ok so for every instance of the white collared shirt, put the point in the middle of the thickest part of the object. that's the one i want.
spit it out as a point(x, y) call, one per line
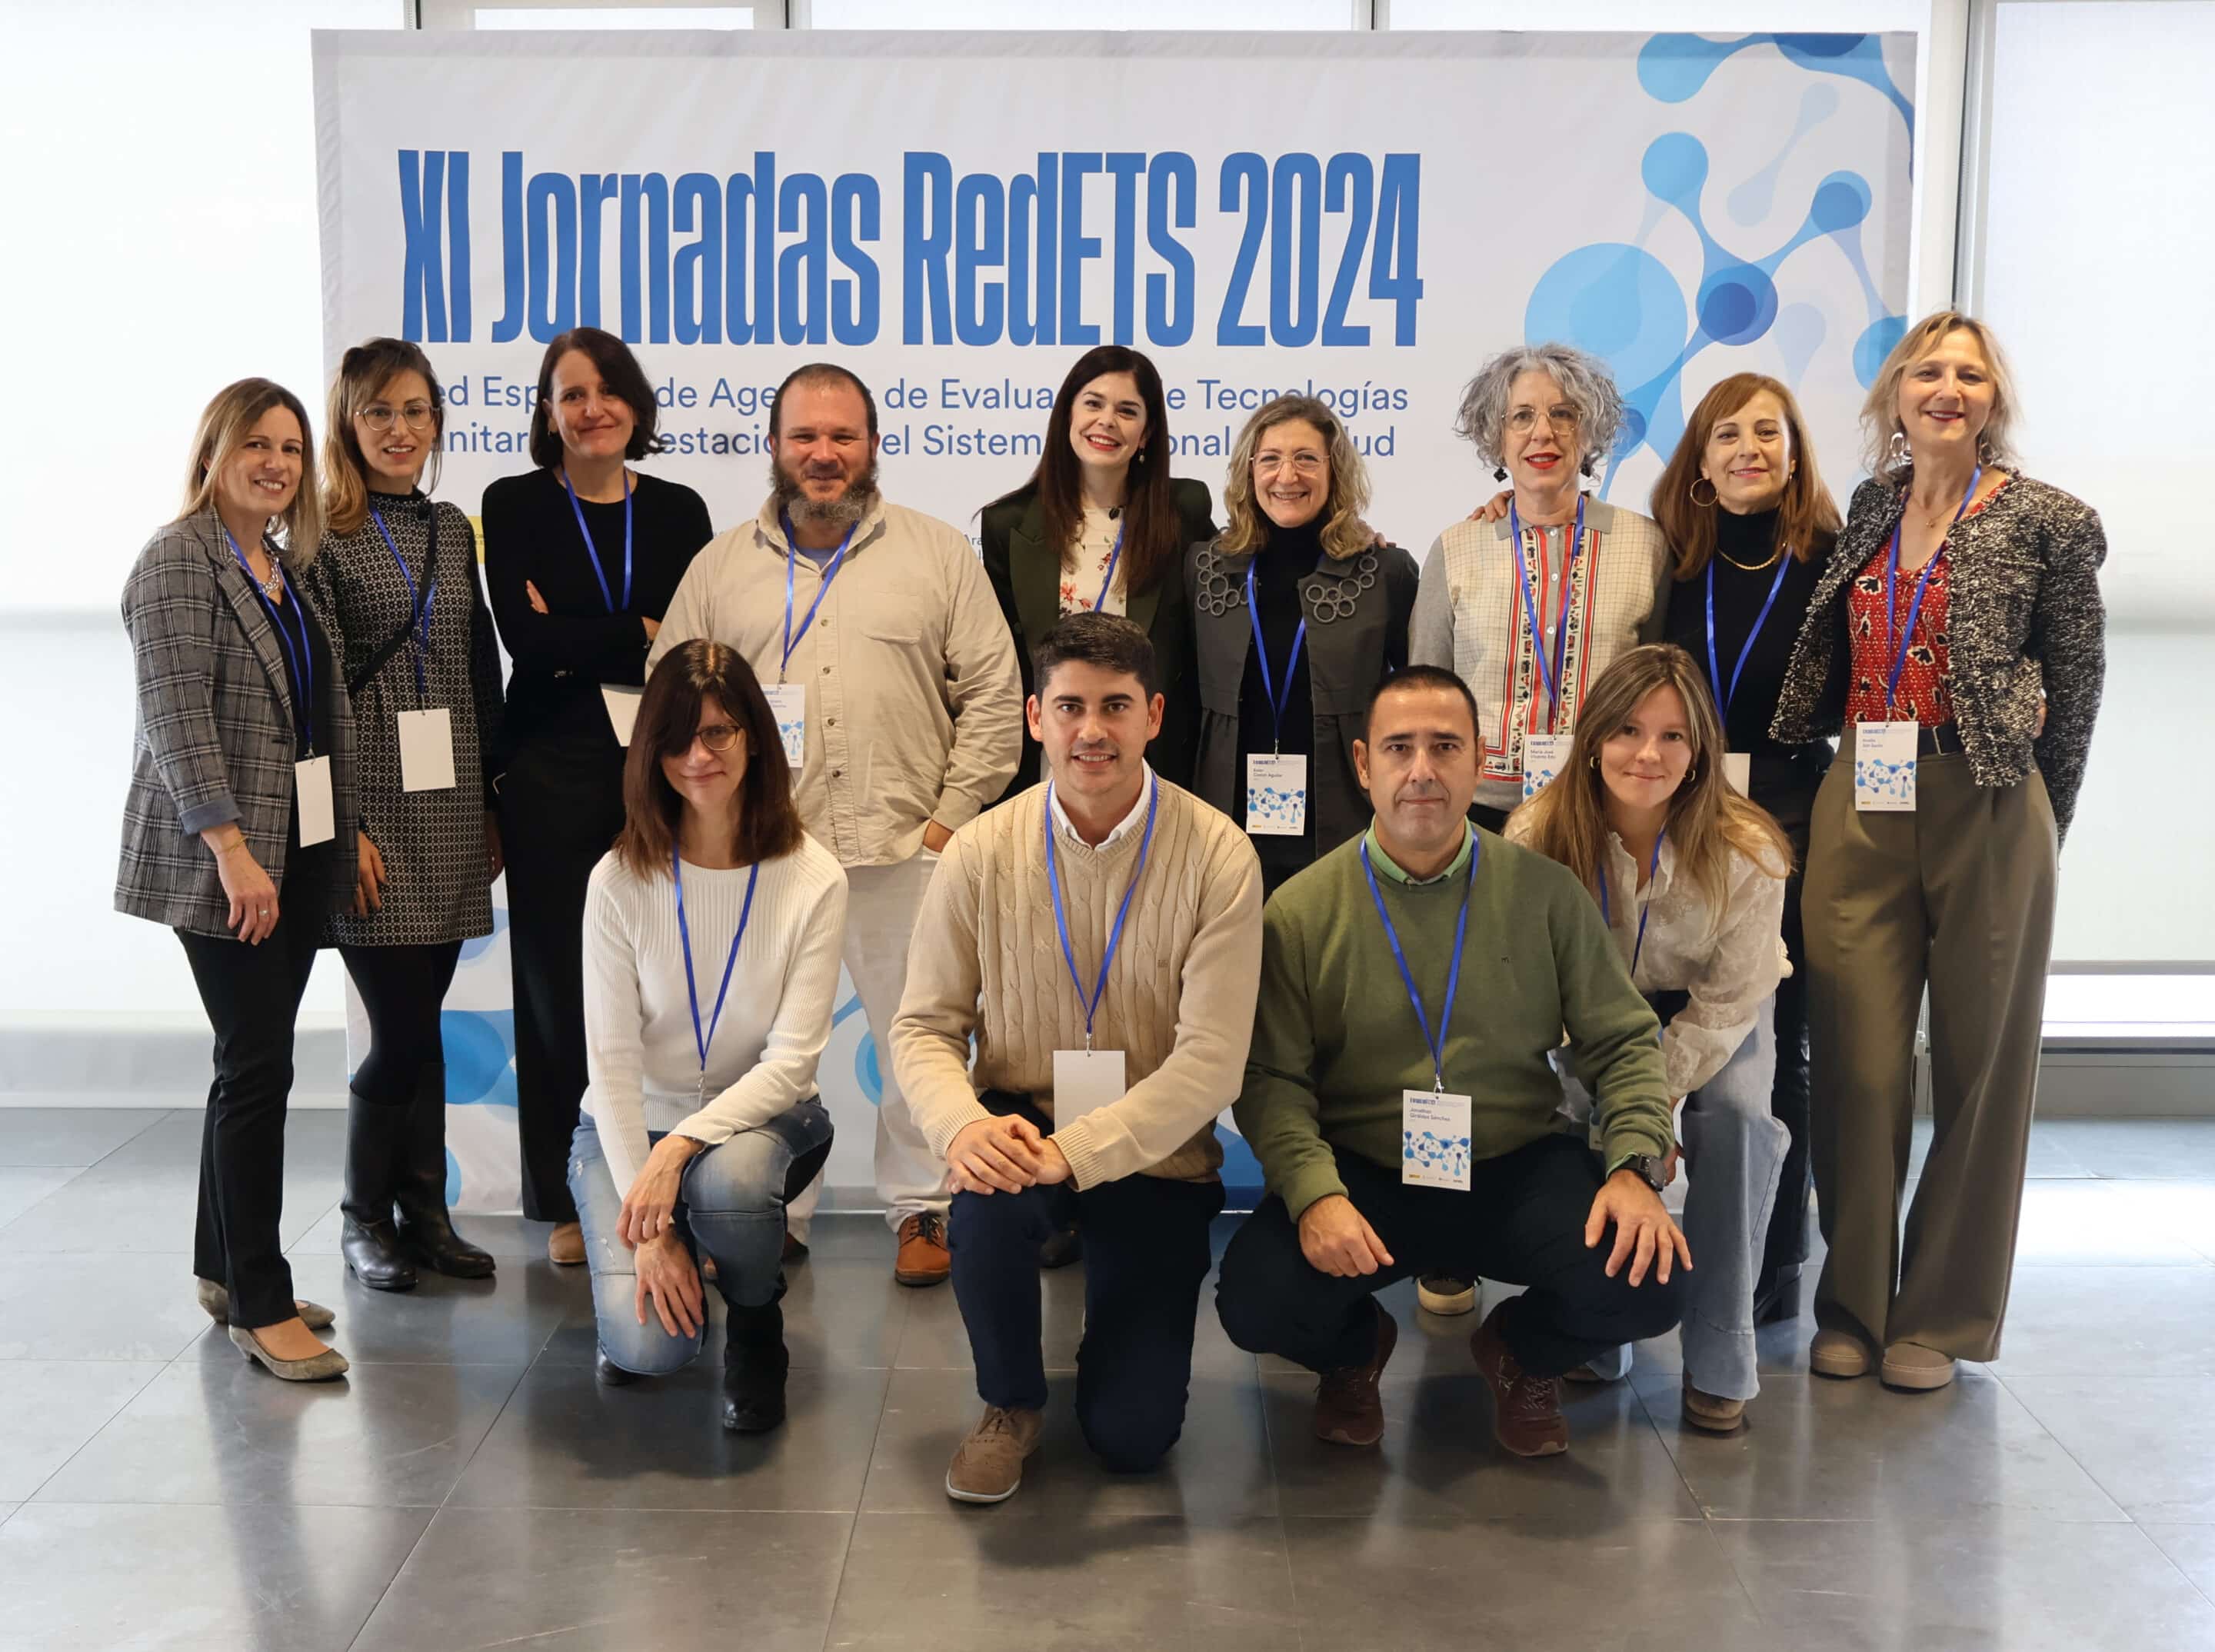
point(1123, 828)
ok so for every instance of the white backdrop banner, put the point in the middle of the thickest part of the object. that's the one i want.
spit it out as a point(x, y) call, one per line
point(1363, 217)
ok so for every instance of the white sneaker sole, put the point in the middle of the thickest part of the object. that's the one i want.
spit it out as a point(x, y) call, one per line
point(962, 1497)
point(1448, 1307)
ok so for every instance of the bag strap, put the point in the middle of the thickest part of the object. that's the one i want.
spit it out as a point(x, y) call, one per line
point(393, 644)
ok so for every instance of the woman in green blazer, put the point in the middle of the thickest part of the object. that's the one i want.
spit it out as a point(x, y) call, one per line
point(1102, 526)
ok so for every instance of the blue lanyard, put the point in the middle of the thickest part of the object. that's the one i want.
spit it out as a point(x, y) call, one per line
point(700, 1039)
point(594, 550)
point(829, 572)
point(1725, 696)
point(1915, 606)
point(419, 640)
point(1108, 584)
point(303, 662)
point(1436, 1044)
point(1645, 906)
point(1553, 668)
point(1115, 935)
point(1277, 702)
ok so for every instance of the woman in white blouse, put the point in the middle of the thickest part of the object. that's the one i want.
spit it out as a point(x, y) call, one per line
point(711, 941)
point(1691, 876)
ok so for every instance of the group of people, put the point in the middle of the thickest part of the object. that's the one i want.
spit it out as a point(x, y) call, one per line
point(1491, 892)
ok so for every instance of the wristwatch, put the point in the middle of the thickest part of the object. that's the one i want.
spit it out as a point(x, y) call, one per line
point(1646, 1168)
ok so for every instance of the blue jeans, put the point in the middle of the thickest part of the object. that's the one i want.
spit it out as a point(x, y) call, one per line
point(731, 1205)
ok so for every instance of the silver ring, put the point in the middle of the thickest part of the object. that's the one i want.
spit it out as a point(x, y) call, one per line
point(262, 911)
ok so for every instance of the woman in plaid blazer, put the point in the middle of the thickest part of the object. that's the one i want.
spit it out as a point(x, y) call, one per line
point(238, 831)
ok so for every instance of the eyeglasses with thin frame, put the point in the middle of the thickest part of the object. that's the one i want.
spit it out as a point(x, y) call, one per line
point(379, 417)
point(717, 737)
point(1561, 420)
point(1305, 464)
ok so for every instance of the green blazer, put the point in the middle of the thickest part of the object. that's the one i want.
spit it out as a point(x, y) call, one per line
point(1026, 576)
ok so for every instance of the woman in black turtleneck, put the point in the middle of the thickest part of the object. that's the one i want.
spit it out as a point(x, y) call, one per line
point(1747, 516)
point(1296, 544)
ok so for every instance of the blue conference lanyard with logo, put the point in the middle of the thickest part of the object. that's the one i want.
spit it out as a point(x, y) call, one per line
point(788, 702)
point(1736, 765)
point(419, 608)
point(1434, 1125)
point(1553, 667)
point(1645, 906)
point(1113, 557)
point(593, 551)
point(1089, 1080)
point(426, 733)
point(1276, 785)
point(1884, 754)
point(702, 1039)
point(311, 775)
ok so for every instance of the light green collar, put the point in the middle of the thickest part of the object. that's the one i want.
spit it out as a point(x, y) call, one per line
point(1385, 864)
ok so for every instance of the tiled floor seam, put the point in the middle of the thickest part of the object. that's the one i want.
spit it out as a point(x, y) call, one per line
point(854, 1517)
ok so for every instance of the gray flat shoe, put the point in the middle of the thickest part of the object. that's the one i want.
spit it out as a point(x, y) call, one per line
point(215, 1302)
point(325, 1365)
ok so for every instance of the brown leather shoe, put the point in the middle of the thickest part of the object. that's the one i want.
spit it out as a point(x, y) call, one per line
point(923, 1258)
point(566, 1244)
point(1348, 1410)
point(989, 1466)
point(1526, 1411)
point(1711, 1411)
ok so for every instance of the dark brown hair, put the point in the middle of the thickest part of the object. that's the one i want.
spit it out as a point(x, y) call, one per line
point(1151, 537)
point(820, 373)
point(1410, 678)
point(1807, 517)
point(1107, 641)
point(668, 720)
point(364, 371)
point(620, 368)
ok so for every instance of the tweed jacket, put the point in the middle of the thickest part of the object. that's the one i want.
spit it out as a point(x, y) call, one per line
point(215, 738)
point(2024, 616)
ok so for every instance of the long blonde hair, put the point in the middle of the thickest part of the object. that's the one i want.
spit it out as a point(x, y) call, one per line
point(363, 372)
point(234, 412)
point(1344, 533)
point(1707, 818)
point(1880, 412)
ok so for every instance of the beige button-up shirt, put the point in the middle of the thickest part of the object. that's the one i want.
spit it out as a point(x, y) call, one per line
point(914, 703)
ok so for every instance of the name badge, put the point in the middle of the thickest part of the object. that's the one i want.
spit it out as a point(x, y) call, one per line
point(623, 709)
point(1543, 758)
point(1884, 767)
point(1276, 795)
point(1738, 769)
point(1084, 1081)
point(787, 703)
point(426, 750)
point(311, 797)
point(1433, 1139)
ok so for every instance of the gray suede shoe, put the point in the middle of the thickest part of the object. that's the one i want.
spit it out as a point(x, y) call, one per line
point(215, 1302)
point(325, 1365)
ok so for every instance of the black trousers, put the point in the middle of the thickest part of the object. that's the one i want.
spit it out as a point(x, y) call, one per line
point(1788, 791)
point(403, 989)
point(1145, 1257)
point(561, 808)
point(1522, 1222)
point(252, 996)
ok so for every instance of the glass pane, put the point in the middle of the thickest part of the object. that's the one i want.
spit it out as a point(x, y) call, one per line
point(1277, 14)
point(1644, 16)
point(499, 17)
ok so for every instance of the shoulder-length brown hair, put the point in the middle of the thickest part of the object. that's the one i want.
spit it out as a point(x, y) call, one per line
point(226, 423)
point(364, 371)
point(620, 368)
point(1152, 543)
point(1707, 818)
point(1344, 533)
point(668, 717)
point(1807, 517)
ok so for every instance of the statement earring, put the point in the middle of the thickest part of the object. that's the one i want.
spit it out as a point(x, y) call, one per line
point(1895, 452)
point(1693, 493)
point(1499, 473)
point(1984, 450)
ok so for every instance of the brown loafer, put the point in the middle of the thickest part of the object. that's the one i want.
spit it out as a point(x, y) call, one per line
point(1711, 1411)
point(989, 1465)
point(1348, 1409)
point(1526, 1410)
point(565, 1245)
point(923, 1258)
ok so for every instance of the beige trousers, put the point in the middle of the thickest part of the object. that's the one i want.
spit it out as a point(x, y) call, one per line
point(1958, 896)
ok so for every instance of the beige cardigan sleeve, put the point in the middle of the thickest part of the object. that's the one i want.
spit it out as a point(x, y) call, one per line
point(938, 1011)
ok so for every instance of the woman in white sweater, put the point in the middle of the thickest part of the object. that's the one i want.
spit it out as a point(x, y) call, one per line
point(711, 943)
point(1691, 876)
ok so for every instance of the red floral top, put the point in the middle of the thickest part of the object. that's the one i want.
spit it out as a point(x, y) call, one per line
point(1925, 693)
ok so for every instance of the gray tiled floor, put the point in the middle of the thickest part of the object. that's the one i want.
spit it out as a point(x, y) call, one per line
point(470, 1485)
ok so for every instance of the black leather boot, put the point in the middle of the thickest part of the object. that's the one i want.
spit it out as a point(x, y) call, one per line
point(376, 1137)
point(426, 1229)
point(754, 1367)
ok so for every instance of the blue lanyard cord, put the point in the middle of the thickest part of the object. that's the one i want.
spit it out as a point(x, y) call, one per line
point(1551, 668)
point(702, 1039)
point(1899, 644)
point(1278, 701)
point(1435, 1043)
point(1645, 906)
point(1108, 584)
point(302, 660)
point(419, 639)
point(594, 550)
point(829, 572)
point(1115, 935)
point(1725, 696)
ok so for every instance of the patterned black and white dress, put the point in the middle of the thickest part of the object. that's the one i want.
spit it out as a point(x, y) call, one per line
point(432, 841)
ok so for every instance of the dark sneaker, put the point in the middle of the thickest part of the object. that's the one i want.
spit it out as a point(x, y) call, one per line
point(1526, 1411)
point(1348, 1410)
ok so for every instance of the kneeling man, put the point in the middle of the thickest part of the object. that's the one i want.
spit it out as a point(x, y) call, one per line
point(1399, 1096)
point(1100, 937)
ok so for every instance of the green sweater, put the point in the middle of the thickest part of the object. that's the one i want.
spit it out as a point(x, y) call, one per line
point(1335, 1041)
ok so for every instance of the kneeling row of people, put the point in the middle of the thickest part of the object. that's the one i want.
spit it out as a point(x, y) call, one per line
point(1431, 1037)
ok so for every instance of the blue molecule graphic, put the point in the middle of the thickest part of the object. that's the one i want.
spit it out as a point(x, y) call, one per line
point(480, 1046)
point(1874, 344)
point(866, 1072)
point(1737, 304)
point(1675, 68)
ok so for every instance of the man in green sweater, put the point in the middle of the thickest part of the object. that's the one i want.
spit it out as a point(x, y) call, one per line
point(1399, 1096)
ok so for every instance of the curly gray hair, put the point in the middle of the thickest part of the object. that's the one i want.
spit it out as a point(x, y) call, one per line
point(1586, 384)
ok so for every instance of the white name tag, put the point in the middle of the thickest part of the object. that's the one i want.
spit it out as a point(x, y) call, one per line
point(1433, 1139)
point(1884, 767)
point(787, 703)
point(311, 797)
point(426, 750)
point(1084, 1081)
point(1543, 758)
point(1738, 769)
point(623, 709)
point(1276, 795)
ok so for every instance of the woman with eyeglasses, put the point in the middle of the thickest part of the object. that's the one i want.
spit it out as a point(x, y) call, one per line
point(1298, 612)
point(398, 576)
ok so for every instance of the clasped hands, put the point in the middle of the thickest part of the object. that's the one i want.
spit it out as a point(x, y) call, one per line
point(1005, 1154)
point(665, 1275)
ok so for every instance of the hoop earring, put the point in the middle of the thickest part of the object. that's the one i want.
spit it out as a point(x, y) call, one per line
point(1984, 450)
point(1692, 777)
point(1896, 456)
point(1693, 493)
point(1594, 759)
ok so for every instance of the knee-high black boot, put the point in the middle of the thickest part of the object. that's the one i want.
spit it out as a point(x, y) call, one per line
point(426, 1229)
point(754, 1366)
point(377, 1136)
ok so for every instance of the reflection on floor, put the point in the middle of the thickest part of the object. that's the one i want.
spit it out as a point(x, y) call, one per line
point(469, 1486)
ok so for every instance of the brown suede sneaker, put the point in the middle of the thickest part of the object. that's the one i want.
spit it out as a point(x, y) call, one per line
point(1526, 1411)
point(989, 1466)
point(923, 1258)
point(1348, 1410)
point(1711, 1411)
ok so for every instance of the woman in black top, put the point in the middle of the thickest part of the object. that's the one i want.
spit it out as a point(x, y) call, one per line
point(581, 557)
point(1102, 526)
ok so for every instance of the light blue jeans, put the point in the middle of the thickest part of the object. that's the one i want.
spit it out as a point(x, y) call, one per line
point(731, 1206)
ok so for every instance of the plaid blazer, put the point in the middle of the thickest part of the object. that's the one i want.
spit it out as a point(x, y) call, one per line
point(214, 738)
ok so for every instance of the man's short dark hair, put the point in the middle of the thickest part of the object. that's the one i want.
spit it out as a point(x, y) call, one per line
point(1107, 641)
point(819, 372)
point(1415, 677)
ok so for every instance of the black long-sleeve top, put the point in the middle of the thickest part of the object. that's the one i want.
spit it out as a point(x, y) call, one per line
point(1740, 593)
